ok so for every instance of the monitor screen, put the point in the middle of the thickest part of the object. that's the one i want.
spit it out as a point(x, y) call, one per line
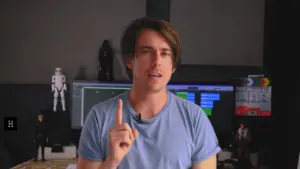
point(217, 101)
point(86, 94)
point(206, 96)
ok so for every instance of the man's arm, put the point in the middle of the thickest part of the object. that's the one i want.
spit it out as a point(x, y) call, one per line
point(83, 163)
point(90, 152)
point(210, 163)
point(206, 143)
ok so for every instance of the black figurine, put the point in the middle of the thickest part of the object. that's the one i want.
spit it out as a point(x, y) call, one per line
point(41, 138)
point(106, 62)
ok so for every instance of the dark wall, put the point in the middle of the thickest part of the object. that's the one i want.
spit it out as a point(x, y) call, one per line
point(25, 101)
point(281, 36)
point(280, 56)
point(159, 9)
point(5, 154)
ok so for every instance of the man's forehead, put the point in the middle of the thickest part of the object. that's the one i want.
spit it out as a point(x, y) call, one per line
point(153, 40)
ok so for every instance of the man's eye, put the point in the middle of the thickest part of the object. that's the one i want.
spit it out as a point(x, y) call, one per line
point(166, 54)
point(146, 52)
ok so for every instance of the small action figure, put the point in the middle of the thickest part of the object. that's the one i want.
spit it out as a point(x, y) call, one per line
point(243, 140)
point(59, 87)
point(40, 137)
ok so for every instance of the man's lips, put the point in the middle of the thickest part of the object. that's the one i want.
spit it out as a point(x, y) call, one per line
point(155, 75)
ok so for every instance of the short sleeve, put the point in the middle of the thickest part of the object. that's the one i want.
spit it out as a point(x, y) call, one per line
point(205, 140)
point(89, 143)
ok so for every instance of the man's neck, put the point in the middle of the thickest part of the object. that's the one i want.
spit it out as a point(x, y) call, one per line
point(147, 103)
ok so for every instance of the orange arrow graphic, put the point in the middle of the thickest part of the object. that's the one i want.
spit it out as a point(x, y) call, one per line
point(265, 82)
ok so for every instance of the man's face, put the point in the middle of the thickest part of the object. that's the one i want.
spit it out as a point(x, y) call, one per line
point(152, 66)
point(242, 126)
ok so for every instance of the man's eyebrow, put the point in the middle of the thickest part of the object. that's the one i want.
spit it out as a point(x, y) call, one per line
point(166, 49)
point(149, 47)
point(145, 47)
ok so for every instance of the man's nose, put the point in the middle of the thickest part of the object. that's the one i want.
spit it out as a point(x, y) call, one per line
point(157, 58)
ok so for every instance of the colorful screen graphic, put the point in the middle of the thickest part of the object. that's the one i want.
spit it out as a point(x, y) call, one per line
point(206, 96)
point(253, 98)
point(207, 101)
point(187, 96)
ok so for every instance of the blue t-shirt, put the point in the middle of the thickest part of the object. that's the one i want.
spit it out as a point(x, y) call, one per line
point(178, 136)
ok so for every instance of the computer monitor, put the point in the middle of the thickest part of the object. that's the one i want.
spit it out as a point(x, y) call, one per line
point(217, 101)
point(86, 94)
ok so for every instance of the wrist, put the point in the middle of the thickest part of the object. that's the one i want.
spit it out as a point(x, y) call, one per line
point(112, 163)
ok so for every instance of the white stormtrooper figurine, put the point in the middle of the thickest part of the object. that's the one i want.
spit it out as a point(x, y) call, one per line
point(59, 87)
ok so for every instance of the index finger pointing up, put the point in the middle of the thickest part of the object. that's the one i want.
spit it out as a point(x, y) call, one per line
point(119, 112)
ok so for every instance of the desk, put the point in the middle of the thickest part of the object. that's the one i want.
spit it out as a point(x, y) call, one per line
point(69, 153)
point(224, 155)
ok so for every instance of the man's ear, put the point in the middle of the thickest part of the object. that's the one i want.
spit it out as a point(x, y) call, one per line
point(129, 64)
point(173, 70)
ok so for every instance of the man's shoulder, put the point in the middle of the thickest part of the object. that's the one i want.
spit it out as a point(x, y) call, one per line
point(185, 104)
point(187, 107)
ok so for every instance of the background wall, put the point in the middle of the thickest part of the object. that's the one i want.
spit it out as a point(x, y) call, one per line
point(218, 32)
point(38, 36)
point(25, 101)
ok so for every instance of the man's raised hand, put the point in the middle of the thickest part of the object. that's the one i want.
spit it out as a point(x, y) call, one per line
point(121, 136)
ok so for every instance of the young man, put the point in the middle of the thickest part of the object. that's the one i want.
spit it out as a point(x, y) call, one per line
point(173, 132)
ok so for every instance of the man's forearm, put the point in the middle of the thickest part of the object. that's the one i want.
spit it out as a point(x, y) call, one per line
point(109, 164)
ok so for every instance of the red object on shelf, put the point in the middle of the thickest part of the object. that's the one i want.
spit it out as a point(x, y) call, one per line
point(244, 111)
point(265, 113)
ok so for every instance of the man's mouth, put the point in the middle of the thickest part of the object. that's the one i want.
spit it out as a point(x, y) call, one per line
point(155, 75)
